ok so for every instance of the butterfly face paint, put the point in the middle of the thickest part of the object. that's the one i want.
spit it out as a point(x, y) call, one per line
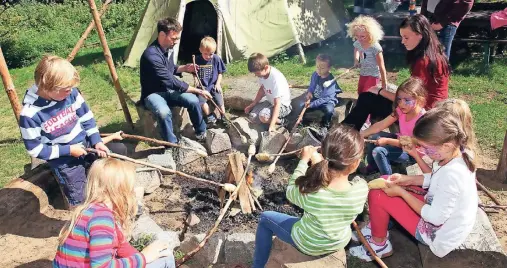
point(431, 151)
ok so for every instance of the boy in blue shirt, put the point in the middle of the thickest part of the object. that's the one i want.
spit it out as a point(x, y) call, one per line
point(320, 97)
point(211, 68)
point(57, 125)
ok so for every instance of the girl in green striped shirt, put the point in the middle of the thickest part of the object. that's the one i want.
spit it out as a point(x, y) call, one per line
point(329, 200)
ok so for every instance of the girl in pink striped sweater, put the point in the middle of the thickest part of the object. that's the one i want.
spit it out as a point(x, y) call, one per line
point(96, 235)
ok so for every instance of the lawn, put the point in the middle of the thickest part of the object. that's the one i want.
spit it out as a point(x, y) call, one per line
point(486, 92)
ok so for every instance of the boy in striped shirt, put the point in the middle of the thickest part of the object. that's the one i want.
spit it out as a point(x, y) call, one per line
point(56, 125)
point(329, 200)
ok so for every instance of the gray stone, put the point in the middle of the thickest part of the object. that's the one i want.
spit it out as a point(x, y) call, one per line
point(285, 255)
point(239, 248)
point(217, 141)
point(212, 253)
point(35, 162)
point(249, 130)
point(145, 226)
point(148, 178)
point(272, 142)
point(185, 156)
point(481, 249)
point(305, 136)
point(193, 220)
point(169, 236)
point(166, 160)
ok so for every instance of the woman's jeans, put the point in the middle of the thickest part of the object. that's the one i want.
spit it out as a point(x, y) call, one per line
point(383, 155)
point(159, 104)
point(446, 35)
point(271, 223)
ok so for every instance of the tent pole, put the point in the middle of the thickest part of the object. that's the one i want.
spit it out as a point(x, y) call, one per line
point(181, 17)
point(88, 30)
point(301, 53)
point(9, 86)
point(219, 35)
point(296, 35)
point(109, 59)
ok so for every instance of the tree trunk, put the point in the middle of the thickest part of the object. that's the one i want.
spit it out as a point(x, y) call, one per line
point(501, 170)
point(109, 59)
point(9, 86)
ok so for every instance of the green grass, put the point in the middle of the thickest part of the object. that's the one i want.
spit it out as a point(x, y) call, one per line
point(485, 92)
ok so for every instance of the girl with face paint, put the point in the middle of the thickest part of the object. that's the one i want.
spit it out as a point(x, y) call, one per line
point(407, 109)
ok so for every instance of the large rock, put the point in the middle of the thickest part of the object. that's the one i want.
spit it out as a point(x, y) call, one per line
point(272, 142)
point(285, 255)
point(217, 140)
point(239, 248)
point(212, 253)
point(249, 130)
point(145, 226)
point(170, 237)
point(166, 160)
point(149, 126)
point(481, 249)
point(185, 156)
point(148, 178)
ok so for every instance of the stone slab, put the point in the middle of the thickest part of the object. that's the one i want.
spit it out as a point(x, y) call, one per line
point(239, 248)
point(217, 140)
point(185, 156)
point(145, 226)
point(149, 126)
point(165, 160)
point(210, 254)
point(148, 178)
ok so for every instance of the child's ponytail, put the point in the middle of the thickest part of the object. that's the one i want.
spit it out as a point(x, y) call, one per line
point(466, 153)
point(341, 149)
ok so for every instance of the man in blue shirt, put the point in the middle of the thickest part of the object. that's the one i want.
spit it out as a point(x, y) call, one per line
point(160, 90)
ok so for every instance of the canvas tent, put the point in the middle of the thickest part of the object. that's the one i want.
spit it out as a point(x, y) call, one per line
point(265, 26)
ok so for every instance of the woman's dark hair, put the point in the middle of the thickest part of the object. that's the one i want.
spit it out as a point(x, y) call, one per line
point(428, 47)
point(342, 147)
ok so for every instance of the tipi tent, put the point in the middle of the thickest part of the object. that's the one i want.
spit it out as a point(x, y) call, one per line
point(242, 26)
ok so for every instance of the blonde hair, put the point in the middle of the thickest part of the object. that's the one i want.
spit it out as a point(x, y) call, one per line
point(439, 126)
point(109, 181)
point(368, 25)
point(461, 110)
point(257, 62)
point(208, 44)
point(53, 73)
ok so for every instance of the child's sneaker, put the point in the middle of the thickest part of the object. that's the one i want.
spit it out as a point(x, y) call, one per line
point(211, 120)
point(366, 231)
point(201, 137)
point(382, 251)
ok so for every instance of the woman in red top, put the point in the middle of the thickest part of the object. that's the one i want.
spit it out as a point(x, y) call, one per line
point(427, 61)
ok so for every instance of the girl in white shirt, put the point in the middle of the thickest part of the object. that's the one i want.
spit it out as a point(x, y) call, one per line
point(445, 215)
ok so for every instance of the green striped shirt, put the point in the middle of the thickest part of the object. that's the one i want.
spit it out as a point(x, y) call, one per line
point(325, 225)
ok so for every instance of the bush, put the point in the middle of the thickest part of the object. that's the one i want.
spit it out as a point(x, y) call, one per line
point(33, 28)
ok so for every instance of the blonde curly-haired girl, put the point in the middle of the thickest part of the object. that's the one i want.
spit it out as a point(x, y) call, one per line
point(366, 33)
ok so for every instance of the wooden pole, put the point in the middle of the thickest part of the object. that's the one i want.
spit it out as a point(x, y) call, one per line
point(9, 86)
point(501, 170)
point(181, 18)
point(219, 33)
point(85, 34)
point(110, 64)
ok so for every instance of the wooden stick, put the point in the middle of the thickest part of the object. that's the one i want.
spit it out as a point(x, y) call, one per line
point(157, 142)
point(273, 165)
point(299, 86)
point(367, 245)
point(243, 138)
point(9, 87)
point(370, 141)
point(109, 59)
point(251, 152)
point(493, 206)
point(490, 194)
point(226, 186)
point(88, 30)
point(501, 169)
point(252, 193)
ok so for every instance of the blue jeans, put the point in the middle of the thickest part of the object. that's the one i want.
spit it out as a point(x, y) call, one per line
point(165, 262)
point(446, 35)
point(383, 155)
point(271, 223)
point(328, 111)
point(159, 104)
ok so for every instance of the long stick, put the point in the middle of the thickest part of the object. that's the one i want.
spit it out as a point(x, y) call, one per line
point(273, 165)
point(158, 142)
point(110, 64)
point(232, 197)
point(243, 138)
point(88, 30)
point(9, 86)
point(226, 186)
point(329, 82)
point(367, 245)
point(493, 206)
point(490, 194)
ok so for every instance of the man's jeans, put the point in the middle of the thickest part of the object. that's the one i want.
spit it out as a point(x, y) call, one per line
point(271, 223)
point(446, 35)
point(159, 103)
